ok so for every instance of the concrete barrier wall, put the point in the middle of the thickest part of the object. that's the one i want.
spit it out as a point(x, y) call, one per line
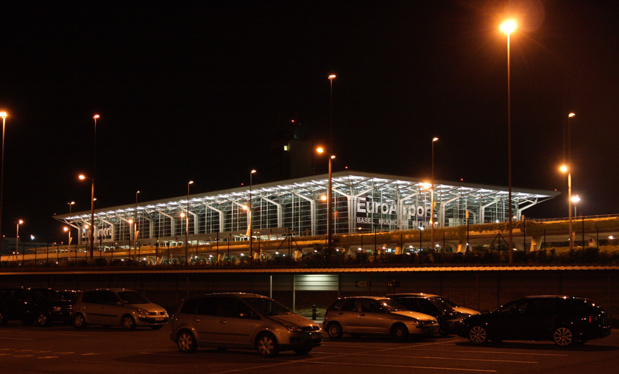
point(481, 290)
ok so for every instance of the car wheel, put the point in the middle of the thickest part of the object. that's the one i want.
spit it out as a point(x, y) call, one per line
point(42, 319)
point(563, 337)
point(399, 332)
point(478, 335)
point(127, 322)
point(334, 330)
point(302, 351)
point(79, 322)
point(267, 345)
point(186, 342)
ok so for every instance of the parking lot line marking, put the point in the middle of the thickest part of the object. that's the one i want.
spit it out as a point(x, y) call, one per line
point(448, 358)
point(508, 353)
point(403, 366)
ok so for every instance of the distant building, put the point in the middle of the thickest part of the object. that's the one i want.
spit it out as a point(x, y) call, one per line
point(361, 202)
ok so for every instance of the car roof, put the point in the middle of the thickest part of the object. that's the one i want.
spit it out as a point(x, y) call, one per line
point(111, 289)
point(414, 294)
point(364, 297)
point(235, 294)
point(554, 297)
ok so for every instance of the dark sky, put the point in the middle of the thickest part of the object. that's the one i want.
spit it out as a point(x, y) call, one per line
point(199, 89)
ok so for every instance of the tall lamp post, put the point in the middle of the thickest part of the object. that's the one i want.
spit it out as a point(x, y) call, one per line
point(19, 222)
point(566, 169)
point(187, 226)
point(92, 213)
point(331, 78)
point(321, 150)
point(249, 224)
point(68, 231)
point(70, 204)
point(575, 200)
point(508, 27)
point(135, 230)
point(434, 140)
point(3, 115)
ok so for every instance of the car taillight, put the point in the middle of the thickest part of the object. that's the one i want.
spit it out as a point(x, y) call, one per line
point(589, 319)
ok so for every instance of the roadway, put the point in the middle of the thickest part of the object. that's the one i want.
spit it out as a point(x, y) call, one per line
point(29, 349)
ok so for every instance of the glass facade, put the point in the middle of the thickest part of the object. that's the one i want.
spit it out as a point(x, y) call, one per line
point(362, 202)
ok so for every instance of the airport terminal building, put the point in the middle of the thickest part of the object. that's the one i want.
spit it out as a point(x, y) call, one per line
point(362, 202)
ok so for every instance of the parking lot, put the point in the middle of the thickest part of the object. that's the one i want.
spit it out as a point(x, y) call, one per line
point(61, 348)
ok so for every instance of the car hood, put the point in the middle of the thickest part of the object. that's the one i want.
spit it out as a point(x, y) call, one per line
point(463, 310)
point(415, 315)
point(151, 307)
point(293, 319)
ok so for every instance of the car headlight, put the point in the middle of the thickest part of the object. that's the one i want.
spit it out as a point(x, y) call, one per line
point(141, 311)
point(292, 328)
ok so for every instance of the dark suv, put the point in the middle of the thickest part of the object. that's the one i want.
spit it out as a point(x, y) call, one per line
point(566, 320)
point(40, 306)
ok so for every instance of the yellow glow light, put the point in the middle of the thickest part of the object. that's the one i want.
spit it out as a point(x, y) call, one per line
point(508, 26)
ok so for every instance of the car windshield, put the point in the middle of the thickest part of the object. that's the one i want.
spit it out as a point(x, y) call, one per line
point(391, 305)
point(266, 306)
point(444, 303)
point(131, 297)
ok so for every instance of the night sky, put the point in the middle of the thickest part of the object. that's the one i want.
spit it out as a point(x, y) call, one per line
point(199, 90)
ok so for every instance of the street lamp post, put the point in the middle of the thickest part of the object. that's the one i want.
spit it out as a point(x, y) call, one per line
point(92, 213)
point(434, 140)
point(187, 226)
point(70, 204)
point(249, 224)
point(19, 222)
point(3, 115)
point(508, 27)
point(329, 199)
point(331, 78)
point(575, 200)
point(566, 169)
point(68, 231)
point(135, 229)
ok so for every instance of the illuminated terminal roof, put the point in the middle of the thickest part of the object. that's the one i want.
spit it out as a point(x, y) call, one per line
point(360, 201)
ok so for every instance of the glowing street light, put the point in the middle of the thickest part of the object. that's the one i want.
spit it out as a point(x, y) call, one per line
point(434, 140)
point(3, 115)
point(187, 226)
point(321, 150)
point(508, 27)
point(566, 169)
point(250, 216)
point(19, 222)
point(68, 231)
point(331, 78)
point(575, 200)
point(92, 213)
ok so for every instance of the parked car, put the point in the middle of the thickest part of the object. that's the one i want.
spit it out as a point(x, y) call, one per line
point(117, 307)
point(443, 310)
point(363, 315)
point(242, 320)
point(566, 320)
point(40, 306)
